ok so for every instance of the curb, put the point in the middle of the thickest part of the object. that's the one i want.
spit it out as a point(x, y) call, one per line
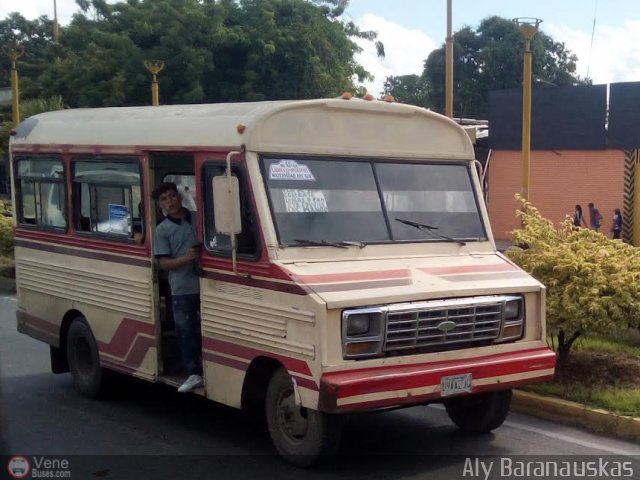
point(576, 414)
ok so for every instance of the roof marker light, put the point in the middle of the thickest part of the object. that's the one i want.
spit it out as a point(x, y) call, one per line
point(389, 99)
point(368, 97)
point(346, 96)
point(241, 128)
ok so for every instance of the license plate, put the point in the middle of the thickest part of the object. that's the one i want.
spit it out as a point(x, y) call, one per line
point(455, 384)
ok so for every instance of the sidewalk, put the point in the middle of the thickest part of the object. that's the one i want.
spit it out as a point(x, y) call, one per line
point(576, 414)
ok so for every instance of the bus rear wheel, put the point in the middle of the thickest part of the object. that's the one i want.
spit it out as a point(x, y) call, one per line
point(84, 361)
point(480, 413)
point(302, 436)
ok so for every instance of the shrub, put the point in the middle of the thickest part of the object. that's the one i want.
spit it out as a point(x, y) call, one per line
point(6, 232)
point(593, 283)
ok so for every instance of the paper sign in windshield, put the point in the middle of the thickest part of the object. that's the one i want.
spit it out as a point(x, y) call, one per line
point(304, 201)
point(290, 170)
point(118, 218)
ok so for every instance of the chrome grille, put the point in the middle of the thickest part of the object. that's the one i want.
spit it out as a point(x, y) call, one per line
point(439, 323)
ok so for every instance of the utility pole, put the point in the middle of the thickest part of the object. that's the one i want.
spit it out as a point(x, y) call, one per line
point(449, 63)
point(56, 28)
point(528, 28)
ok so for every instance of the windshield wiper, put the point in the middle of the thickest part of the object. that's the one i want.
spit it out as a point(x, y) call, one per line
point(322, 243)
point(430, 229)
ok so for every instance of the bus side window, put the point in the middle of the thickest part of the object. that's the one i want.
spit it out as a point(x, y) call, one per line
point(248, 244)
point(107, 197)
point(41, 193)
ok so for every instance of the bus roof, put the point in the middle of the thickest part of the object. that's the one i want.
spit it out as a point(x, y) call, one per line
point(352, 127)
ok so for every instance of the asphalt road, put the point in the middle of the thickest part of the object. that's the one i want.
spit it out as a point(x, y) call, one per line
point(151, 431)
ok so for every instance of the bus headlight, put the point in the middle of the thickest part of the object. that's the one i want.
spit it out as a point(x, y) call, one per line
point(362, 333)
point(512, 309)
point(358, 324)
point(513, 320)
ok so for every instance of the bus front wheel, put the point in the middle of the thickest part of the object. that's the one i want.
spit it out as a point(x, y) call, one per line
point(301, 435)
point(480, 413)
point(83, 358)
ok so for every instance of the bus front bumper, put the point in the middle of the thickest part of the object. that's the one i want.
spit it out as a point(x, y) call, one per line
point(376, 388)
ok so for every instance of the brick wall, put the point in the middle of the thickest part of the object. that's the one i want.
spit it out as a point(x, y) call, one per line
point(560, 179)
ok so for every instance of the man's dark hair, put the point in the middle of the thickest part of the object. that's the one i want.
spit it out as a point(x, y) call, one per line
point(163, 188)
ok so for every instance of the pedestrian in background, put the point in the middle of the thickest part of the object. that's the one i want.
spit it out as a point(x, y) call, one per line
point(595, 217)
point(616, 228)
point(578, 217)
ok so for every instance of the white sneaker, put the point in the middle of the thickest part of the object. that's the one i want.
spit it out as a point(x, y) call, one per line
point(194, 381)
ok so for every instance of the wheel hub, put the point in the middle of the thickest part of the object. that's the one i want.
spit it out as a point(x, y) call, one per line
point(291, 417)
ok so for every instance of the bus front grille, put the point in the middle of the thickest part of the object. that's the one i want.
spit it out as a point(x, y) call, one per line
point(442, 326)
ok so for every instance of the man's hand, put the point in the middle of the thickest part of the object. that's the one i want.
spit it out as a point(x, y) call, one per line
point(168, 263)
point(192, 254)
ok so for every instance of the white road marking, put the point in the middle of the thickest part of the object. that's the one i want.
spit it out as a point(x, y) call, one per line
point(574, 440)
point(11, 299)
point(564, 438)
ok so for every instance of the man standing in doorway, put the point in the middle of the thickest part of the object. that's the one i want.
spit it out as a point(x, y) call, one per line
point(177, 249)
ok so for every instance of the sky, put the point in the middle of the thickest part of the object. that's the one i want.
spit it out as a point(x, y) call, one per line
point(411, 29)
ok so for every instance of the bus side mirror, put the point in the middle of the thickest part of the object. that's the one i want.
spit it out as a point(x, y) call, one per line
point(226, 205)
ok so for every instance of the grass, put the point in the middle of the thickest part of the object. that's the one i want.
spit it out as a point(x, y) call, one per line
point(601, 373)
point(628, 343)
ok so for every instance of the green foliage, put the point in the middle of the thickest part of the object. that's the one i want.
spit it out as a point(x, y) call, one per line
point(6, 232)
point(593, 283)
point(485, 59)
point(407, 89)
point(214, 51)
point(28, 108)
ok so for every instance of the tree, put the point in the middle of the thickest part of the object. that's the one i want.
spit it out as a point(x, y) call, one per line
point(214, 51)
point(407, 89)
point(593, 283)
point(36, 36)
point(28, 108)
point(491, 58)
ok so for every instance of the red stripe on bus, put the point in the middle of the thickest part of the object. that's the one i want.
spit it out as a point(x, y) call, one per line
point(345, 287)
point(38, 323)
point(208, 356)
point(75, 252)
point(125, 336)
point(355, 276)
point(230, 277)
point(291, 364)
point(243, 366)
point(85, 240)
point(435, 396)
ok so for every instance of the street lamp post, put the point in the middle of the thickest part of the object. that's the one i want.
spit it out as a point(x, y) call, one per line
point(154, 67)
point(14, 54)
point(528, 27)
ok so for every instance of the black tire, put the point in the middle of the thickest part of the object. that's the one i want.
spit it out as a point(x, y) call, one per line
point(84, 361)
point(302, 436)
point(479, 413)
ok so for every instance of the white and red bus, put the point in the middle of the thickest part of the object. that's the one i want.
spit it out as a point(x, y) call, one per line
point(352, 269)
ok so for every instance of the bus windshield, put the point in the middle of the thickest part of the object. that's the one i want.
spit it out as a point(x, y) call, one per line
point(365, 201)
